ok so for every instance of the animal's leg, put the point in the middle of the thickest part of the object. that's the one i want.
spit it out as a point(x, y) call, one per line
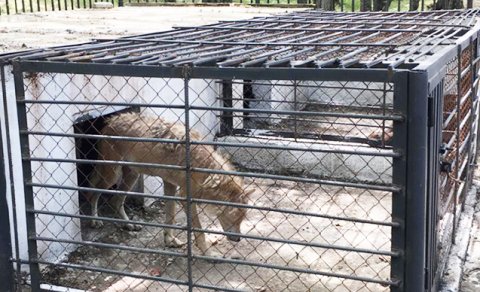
point(129, 179)
point(200, 240)
point(170, 205)
point(102, 177)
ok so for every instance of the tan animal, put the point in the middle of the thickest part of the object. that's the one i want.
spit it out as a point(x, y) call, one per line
point(217, 187)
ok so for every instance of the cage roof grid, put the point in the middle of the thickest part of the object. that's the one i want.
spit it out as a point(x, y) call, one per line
point(311, 38)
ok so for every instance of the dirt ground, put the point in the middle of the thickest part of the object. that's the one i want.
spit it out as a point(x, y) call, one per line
point(36, 30)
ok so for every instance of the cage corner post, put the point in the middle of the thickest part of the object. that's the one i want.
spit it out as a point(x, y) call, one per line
point(416, 182)
point(6, 266)
point(410, 175)
point(35, 275)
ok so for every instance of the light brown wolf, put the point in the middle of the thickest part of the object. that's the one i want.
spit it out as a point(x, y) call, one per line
point(218, 187)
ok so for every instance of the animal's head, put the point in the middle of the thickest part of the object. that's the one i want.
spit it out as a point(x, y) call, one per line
point(232, 217)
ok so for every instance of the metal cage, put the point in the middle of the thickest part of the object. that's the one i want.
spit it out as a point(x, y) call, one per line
point(354, 133)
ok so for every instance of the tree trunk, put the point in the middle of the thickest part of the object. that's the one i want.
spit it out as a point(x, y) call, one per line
point(328, 5)
point(414, 5)
point(365, 5)
point(448, 4)
point(381, 5)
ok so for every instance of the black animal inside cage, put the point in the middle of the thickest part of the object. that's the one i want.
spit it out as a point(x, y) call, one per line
point(318, 139)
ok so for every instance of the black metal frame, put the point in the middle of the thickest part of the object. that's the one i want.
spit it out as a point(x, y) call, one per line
point(7, 276)
point(408, 190)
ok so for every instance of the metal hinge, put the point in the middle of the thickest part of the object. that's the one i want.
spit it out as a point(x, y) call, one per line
point(431, 116)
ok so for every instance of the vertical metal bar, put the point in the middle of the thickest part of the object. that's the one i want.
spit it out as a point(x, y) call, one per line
point(295, 108)
point(188, 174)
point(18, 266)
point(66, 5)
point(436, 190)
point(27, 177)
point(7, 3)
point(46, 6)
point(38, 5)
point(31, 5)
point(341, 5)
point(457, 140)
point(353, 5)
point(6, 267)
point(384, 111)
point(226, 126)
point(399, 5)
point(470, 156)
point(399, 169)
point(416, 191)
point(16, 6)
point(53, 5)
point(23, 6)
point(423, 5)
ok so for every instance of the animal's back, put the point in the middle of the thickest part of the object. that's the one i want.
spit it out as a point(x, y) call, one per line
point(139, 125)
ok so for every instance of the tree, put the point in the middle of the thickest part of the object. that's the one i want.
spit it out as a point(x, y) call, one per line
point(414, 5)
point(381, 5)
point(448, 4)
point(328, 5)
point(365, 5)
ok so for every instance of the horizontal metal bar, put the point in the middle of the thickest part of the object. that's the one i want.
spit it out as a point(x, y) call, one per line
point(376, 187)
point(107, 271)
point(260, 238)
point(107, 162)
point(110, 246)
point(103, 137)
point(286, 29)
point(379, 153)
point(304, 243)
point(303, 85)
point(360, 21)
point(394, 283)
point(203, 201)
point(273, 44)
point(100, 103)
point(107, 219)
point(299, 74)
point(104, 191)
point(396, 118)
